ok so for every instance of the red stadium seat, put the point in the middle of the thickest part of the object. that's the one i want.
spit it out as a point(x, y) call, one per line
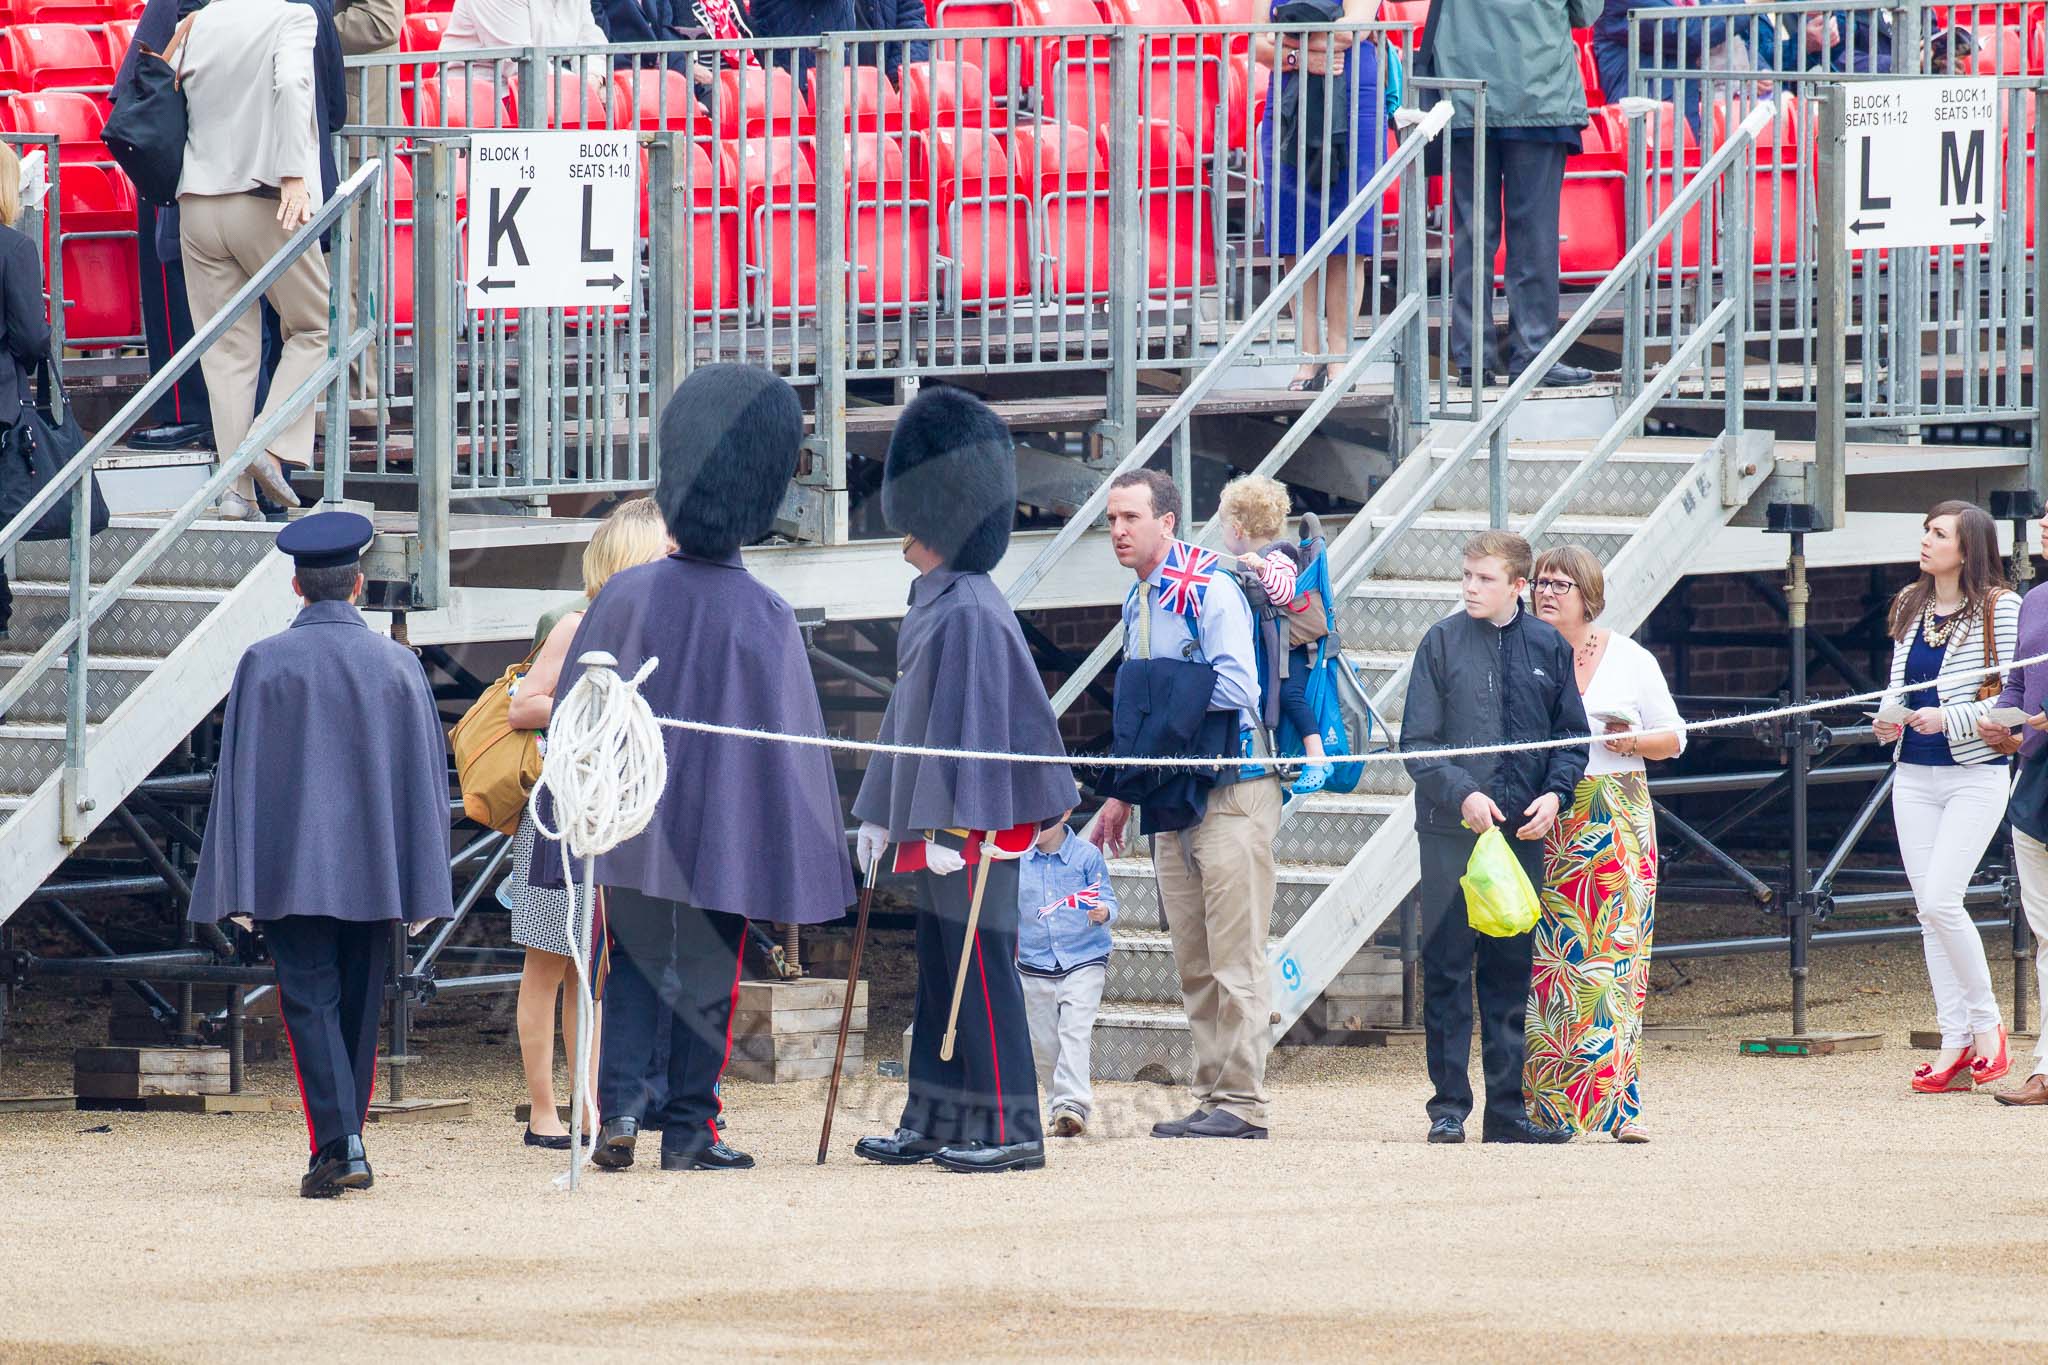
point(1071, 74)
point(102, 283)
point(1180, 247)
point(985, 218)
point(1183, 80)
point(568, 101)
point(57, 57)
point(754, 100)
point(713, 254)
point(774, 186)
point(1672, 152)
point(447, 99)
point(74, 119)
point(889, 229)
point(422, 33)
point(655, 97)
point(2001, 52)
point(945, 95)
point(1589, 68)
point(429, 6)
point(870, 100)
point(988, 55)
point(1237, 14)
point(1061, 167)
point(115, 39)
point(1591, 211)
point(66, 12)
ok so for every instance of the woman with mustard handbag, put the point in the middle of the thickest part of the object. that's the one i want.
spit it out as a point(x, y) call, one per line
point(633, 534)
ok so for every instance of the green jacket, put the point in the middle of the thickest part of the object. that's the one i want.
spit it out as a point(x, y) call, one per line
point(1522, 49)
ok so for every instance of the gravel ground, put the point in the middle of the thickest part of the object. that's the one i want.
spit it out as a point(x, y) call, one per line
point(1786, 1208)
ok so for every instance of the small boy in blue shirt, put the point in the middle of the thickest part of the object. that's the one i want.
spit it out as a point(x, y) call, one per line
point(1065, 906)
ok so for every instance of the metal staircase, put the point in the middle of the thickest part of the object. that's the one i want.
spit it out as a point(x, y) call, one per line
point(1346, 862)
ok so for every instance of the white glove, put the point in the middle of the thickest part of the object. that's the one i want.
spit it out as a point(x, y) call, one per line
point(942, 861)
point(869, 846)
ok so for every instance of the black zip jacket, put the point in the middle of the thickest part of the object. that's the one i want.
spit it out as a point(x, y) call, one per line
point(1478, 683)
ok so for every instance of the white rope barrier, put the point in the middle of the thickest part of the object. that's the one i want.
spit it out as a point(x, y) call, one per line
point(605, 768)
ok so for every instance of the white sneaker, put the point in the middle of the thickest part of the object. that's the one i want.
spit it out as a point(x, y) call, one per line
point(233, 507)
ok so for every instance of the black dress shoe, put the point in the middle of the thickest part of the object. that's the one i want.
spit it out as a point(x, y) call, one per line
point(172, 436)
point(1446, 1130)
point(1563, 376)
point(1177, 1128)
point(1520, 1129)
point(906, 1148)
point(1223, 1124)
point(340, 1165)
point(615, 1144)
point(557, 1143)
point(1469, 380)
point(719, 1156)
point(989, 1156)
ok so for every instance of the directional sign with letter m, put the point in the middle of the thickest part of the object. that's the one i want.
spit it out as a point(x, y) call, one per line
point(553, 219)
point(1922, 162)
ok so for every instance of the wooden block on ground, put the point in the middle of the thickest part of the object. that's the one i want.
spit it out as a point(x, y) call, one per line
point(748, 1023)
point(1674, 1033)
point(805, 993)
point(417, 1111)
point(1382, 1037)
point(1811, 1044)
point(796, 1069)
point(790, 1047)
point(1929, 1039)
point(1357, 1012)
point(246, 1103)
point(36, 1104)
point(135, 1072)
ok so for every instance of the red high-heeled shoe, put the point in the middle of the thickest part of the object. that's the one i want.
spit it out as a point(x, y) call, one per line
point(1928, 1081)
point(1984, 1070)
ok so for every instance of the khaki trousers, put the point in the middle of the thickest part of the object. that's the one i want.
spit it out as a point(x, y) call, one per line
point(1216, 889)
point(227, 239)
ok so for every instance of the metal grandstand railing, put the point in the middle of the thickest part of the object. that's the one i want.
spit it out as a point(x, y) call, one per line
point(89, 601)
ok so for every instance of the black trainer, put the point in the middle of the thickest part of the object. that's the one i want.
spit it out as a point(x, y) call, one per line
point(1446, 1130)
point(1521, 1129)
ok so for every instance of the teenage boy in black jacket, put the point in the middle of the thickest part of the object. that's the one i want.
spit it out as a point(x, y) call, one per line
point(1494, 674)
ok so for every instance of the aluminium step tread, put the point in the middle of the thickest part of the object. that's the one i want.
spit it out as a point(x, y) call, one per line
point(1477, 519)
point(140, 592)
point(1302, 873)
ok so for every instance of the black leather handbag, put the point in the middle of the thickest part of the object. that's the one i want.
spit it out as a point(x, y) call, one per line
point(33, 451)
point(145, 133)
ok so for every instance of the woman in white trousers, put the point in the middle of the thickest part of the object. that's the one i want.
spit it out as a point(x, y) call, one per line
point(1951, 628)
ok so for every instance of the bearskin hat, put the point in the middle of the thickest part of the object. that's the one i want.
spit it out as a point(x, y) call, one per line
point(951, 478)
point(729, 442)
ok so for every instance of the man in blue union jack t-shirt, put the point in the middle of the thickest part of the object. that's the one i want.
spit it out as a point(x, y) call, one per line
point(1215, 879)
point(1065, 906)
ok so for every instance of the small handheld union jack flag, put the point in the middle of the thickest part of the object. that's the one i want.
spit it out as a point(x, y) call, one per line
point(1184, 578)
point(1087, 898)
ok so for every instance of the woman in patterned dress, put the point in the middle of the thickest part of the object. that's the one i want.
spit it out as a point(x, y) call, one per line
point(1592, 945)
point(633, 534)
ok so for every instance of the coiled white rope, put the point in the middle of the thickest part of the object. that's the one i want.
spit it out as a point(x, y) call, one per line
point(605, 769)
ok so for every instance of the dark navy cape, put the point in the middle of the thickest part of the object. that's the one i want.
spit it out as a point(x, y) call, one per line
point(965, 681)
point(746, 827)
point(331, 796)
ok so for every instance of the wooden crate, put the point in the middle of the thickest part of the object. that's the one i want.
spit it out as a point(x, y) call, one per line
point(1358, 1011)
point(788, 1030)
point(129, 1022)
point(131, 1073)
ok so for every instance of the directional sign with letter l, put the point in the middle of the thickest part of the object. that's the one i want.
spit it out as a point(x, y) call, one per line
point(553, 219)
point(1922, 162)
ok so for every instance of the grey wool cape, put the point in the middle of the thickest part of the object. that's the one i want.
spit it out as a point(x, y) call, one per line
point(966, 681)
point(331, 795)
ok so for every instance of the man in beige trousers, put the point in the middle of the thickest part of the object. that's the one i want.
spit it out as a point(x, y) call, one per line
point(1215, 879)
point(368, 28)
point(251, 162)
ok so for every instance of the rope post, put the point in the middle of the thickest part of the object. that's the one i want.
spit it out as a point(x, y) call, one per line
point(1795, 520)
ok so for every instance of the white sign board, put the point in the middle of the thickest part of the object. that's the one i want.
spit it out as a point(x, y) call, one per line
point(1923, 162)
point(553, 219)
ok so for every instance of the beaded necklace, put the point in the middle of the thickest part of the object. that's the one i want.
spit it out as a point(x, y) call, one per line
point(1936, 631)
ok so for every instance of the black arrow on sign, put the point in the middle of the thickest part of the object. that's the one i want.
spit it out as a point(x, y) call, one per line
point(488, 285)
point(1974, 220)
point(1860, 226)
point(613, 283)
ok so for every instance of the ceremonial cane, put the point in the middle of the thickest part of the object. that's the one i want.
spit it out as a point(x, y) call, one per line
point(860, 936)
point(966, 949)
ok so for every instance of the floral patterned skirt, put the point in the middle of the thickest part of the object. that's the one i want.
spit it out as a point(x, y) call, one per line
point(1592, 958)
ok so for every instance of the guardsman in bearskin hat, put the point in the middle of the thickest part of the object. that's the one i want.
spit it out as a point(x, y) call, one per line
point(329, 824)
point(967, 682)
point(744, 828)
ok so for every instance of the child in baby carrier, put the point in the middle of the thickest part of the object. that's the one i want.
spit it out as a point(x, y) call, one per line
point(1253, 511)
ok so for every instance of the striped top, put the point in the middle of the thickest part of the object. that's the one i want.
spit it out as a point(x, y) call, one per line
point(1964, 662)
point(1277, 575)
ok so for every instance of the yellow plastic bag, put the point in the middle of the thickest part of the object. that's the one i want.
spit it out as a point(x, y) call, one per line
point(1499, 901)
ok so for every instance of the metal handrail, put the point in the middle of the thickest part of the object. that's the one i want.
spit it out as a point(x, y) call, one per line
point(75, 478)
point(1308, 264)
point(1640, 256)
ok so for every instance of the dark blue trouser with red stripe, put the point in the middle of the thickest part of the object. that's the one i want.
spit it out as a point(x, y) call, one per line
point(679, 961)
point(330, 994)
point(989, 1091)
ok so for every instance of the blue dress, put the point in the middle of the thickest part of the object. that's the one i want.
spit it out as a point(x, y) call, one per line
point(1293, 208)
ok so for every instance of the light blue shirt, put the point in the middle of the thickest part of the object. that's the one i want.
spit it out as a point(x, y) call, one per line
point(1222, 637)
point(1063, 937)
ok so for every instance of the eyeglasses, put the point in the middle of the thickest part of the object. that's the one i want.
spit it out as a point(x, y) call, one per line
point(1556, 587)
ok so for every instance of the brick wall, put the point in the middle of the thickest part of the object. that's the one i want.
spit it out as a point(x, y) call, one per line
point(1706, 609)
